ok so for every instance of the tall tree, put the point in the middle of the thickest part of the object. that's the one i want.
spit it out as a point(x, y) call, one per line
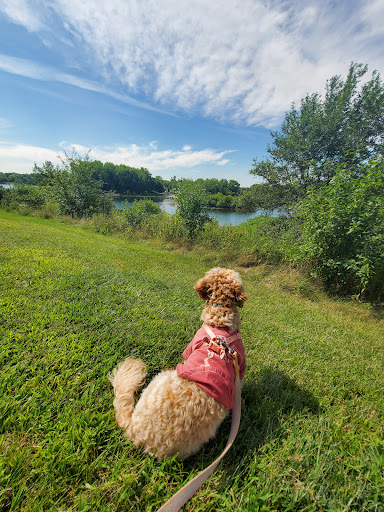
point(346, 125)
point(73, 187)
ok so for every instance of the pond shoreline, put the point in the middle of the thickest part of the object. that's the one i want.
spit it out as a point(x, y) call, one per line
point(124, 197)
point(225, 217)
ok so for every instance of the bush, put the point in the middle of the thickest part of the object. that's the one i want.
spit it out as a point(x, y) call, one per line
point(23, 198)
point(220, 200)
point(191, 201)
point(343, 231)
point(141, 210)
point(73, 187)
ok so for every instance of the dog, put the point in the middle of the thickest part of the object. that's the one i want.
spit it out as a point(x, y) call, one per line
point(181, 409)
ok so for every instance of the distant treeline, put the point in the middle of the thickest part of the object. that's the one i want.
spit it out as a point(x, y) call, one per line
point(120, 179)
point(14, 177)
point(125, 180)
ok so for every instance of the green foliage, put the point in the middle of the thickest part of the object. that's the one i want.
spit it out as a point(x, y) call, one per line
point(139, 213)
point(73, 187)
point(191, 200)
point(347, 125)
point(124, 179)
point(343, 230)
point(22, 198)
point(214, 186)
point(220, 200)
point(263, 239)
point(14, 177)
point(263, 196)
point(47, 174)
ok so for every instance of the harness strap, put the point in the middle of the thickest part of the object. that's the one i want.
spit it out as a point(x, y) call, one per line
point(188, 490)
point(212, 335)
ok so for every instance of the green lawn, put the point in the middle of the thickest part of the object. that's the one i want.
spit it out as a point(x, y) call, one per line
point(74, 303)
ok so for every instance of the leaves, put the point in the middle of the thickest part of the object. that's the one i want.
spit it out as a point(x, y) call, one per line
point(191, 200)
point(346, 126)
point(343, 230)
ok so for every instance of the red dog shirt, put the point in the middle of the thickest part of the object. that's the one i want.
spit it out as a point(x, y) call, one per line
point(205, 367)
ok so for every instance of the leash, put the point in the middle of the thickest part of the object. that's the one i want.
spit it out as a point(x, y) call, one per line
point(188, 490)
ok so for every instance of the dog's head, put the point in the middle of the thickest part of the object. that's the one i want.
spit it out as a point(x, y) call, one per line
point(222, 287)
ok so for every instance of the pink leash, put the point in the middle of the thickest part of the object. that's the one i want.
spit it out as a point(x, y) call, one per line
point(188, 490)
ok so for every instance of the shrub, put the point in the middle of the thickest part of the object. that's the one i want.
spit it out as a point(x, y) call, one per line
point(23, 198)
point(343, 231)
point(73, 187)
point(191, 201)
point(220, 200)
point(141, 210)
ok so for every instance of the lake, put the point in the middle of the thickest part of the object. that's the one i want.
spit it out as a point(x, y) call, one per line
point(224, 217)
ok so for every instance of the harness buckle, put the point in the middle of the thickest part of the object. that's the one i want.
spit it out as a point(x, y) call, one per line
point(219, 346)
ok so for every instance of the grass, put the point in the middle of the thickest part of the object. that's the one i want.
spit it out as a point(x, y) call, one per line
point(75, 303)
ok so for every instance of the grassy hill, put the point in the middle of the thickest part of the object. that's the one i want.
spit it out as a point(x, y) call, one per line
point(74, 303)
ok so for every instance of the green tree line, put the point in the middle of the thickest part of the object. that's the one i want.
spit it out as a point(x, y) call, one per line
point(125, 180)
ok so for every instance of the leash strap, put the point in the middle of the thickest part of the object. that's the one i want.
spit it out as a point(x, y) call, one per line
point(185, 493)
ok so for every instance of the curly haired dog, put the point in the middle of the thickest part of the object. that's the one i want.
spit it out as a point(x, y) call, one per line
point(181, 409)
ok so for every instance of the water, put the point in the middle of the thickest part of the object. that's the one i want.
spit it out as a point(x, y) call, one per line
point(224, 217)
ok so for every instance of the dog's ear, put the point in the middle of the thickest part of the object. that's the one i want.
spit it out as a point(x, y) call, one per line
point(240, 296)
point(202, 288)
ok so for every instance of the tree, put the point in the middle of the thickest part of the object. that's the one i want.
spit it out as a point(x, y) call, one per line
point(141, 211)
point(73, 187)
point(47, 174)
point(191, 200)
point(262, 196)
point(346, 126)
point(343, 230)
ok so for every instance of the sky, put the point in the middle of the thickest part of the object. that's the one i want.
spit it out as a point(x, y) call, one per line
point(185, 88)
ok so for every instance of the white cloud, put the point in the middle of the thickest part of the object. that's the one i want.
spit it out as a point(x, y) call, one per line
point(152, 158)
point(26, 152)
point(30, 69)
point(21, 157)
point(23, 13)
point(134, 155)
point(240, 62)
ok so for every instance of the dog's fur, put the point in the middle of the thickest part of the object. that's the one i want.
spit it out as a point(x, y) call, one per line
point(174, 415)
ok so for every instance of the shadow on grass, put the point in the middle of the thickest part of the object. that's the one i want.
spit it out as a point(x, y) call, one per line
point(378, 310)
point(265, 402)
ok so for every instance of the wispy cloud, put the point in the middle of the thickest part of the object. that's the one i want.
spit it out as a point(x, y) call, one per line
point(23, 13)
point(152, 158)
point(239, 62)
point(133, 155)
point(37, 71)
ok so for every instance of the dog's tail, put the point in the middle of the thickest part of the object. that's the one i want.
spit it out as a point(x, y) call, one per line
point(126, 380)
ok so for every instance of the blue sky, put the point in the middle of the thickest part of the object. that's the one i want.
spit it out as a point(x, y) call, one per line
point(182, 87)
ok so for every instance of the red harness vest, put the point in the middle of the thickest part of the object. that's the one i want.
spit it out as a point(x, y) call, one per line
point(212, 371)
